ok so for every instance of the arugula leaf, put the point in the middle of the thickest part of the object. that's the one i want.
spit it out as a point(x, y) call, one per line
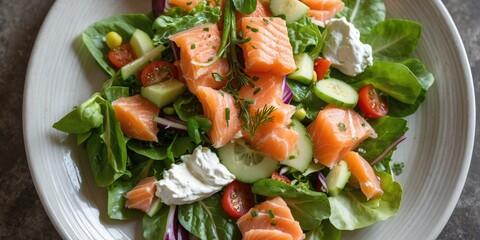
point(305, 37)
point(351, 210)
point(425, 78)
point(308, 207)
point(394, 39)
point(363, 13)
point(206, 219)
point(82, 118)
point(245, 6)
point(388, 129)
point(173, 22)
point(124, 25)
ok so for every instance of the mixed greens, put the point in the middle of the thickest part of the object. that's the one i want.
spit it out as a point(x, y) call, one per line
point(118, 162)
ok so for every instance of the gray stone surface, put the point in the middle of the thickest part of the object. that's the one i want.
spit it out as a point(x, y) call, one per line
point(21, 213)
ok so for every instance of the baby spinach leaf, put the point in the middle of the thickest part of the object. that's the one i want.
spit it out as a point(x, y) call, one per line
point(245, 6)
point(206, 219)
point(363, 13)
point(148, 149)
point(304, 96)
point(305, 36)
point(173, 22)
point(351, 210)
point(124, 25)
point(82, 118)
point(394, 39)
point(115, 92)
point(308, 207)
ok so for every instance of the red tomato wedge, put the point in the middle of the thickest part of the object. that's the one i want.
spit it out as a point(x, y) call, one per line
point(371, 103)
point(158, 71)
point(321, 67)
point(121, 56)
point(237, 199)
point(280, 177)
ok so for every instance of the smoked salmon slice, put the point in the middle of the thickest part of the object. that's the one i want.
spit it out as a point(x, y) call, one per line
point(363, 172)
point(219, 107)
point(262, 10)
point(135, 115)
point(141, 196)
point(269, 49)
point(272, 214)
point(323, 10)
point(266, 234)
point(200, 44)
point(191, 4)
point(335, 132)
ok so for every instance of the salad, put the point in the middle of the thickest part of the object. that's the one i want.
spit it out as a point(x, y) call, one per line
point(250, 119)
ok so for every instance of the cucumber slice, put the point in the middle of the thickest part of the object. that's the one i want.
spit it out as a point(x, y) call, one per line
point(336, 92)
point(292, 9)
point(141, 43)
point(155, 207)
point(303, 154)
point(163, 93)
point(304, 72)
point(137, 64)
point(245, 163)
point(337, 178)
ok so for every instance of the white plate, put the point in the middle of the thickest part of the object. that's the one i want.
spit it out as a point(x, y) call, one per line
point(62, 74)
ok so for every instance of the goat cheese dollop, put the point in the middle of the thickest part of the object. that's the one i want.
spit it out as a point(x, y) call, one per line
point(199, 176)
point(343, 48)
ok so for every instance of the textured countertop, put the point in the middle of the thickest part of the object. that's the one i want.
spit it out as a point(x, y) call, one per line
point(22, 215)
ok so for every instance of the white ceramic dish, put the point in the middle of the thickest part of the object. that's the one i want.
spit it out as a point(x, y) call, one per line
point(62, 74)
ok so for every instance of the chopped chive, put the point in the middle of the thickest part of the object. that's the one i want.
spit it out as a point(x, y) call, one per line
point(221, 93)
point(252, 28)
point(192, 46)
point(227, 115)
point(257, 90)
point(265, 21)
point(206, 29)
point(342, 127)
point(249, 101)
point(254, 213)
point(255, 78)
point(189, 3)
point(273, 223)
point(270, 213)
point(217, 77)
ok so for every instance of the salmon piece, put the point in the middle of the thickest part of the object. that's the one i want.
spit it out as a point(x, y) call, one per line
point(323, 10)
point(141, 196)
point(266, 234)
point(272, 214)
point(262, 10)
point(215, 104)
point(269, 50)
point(363, 172)
point(335, 132)
point(191, 4)
point(279, 144)
point(200, 44)
point(135, 115)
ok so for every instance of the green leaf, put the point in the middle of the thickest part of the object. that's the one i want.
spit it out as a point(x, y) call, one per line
point(245, 6)
point(148, 149)
point(394, 39)
point(115, 92)
point(308, 207)
point(363, 13)
point(388, 129)
point(176, 21)
point(124, 25)
point(351, 210)
point(155, 227)
point(303, 95)
point(324, 231)
point(206, 219)
point(305, 36)
point(187, 106)
point(82, 118)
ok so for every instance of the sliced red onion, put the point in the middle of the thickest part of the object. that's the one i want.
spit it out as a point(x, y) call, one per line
point(170, 123)
point(287, 92)
point(172, 224)
point(323, 182)
point(158, 7)
point(182, 233)
point(387, 150)
point(176, 50)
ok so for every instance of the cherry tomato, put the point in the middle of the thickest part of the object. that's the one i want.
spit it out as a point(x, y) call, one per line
point(371, 104)
point(237, 199)
point(121, 56)
point(321, 67)
point(280, 177)
point(158, 71)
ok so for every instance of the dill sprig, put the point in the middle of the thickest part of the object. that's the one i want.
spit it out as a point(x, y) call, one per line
point(260, 117)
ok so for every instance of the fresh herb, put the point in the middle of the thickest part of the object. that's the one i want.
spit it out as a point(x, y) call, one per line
point(227, 115)
point(265, 21)
point(206, 29)
point(254, 213)
point(217, 77)
point(273, 223)
point(192, 46)
point(270, 213)
point(252, 28)
point(257, 90)
point(261, 116)
point(189, 3)
point(342, 127)
point(398, 168)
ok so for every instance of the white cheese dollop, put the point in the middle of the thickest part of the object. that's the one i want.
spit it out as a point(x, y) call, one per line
point(199, 176)
point(343, 48)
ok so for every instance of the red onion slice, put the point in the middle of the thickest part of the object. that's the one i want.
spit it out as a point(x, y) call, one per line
point(176, 50)
point(172, 222)
point(171, 123)
point(323, 182)
point(158, 7)
point(387, 150)
point(287, 92)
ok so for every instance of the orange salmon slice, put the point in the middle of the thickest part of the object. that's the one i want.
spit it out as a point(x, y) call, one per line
point(190, 4)
point(199, 45)
point(218, 106)
point(269, 50)
point(335, 132)
point(323, 10)
point(266, 234)
point(135, 115)
point(272, 214)
point(141, 196)
point(363, 172)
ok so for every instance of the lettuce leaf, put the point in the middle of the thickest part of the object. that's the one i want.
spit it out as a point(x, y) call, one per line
point(363, 14)
point(305, 37)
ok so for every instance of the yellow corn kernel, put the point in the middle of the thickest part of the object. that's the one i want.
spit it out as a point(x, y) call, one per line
point(113, 40)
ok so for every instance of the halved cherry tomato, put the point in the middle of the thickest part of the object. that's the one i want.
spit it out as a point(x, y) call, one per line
point(121, 56)
point(237, 199)
point(321, 67)
point(158, 71)
point(280, 177)
point(371, 104)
